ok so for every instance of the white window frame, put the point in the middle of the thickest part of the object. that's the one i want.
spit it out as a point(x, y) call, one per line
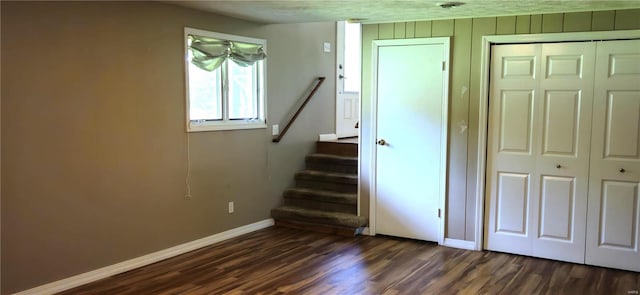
point(226, 123)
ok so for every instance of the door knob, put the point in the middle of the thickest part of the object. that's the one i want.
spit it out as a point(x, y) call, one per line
point(382, 142)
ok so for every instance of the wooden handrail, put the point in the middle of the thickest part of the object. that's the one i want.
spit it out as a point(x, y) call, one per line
point(319, 82)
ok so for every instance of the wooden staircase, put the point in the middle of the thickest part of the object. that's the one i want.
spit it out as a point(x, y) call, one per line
point(325, 198)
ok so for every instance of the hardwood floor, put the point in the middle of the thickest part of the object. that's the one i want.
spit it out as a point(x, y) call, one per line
point(289, 261)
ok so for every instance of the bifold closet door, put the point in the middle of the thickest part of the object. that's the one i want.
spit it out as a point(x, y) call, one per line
point(538, 149)
point(613, 236)
point(511, 156)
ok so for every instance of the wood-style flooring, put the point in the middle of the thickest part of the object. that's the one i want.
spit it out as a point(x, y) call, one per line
point(289, 261)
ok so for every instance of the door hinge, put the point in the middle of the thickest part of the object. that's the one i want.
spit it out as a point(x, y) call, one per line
point(444, 65)
point(439, 213)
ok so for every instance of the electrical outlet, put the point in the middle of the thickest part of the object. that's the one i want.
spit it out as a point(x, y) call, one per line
point(231, 207)
point(275, 129)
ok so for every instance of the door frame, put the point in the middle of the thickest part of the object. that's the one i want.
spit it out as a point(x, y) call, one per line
point(483, 109)
point(445, 41)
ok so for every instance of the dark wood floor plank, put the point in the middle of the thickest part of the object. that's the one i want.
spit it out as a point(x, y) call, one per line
point(289, 261)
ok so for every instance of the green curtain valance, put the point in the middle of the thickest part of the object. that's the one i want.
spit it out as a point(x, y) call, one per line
point(209, 53)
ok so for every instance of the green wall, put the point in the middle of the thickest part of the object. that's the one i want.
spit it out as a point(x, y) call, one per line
point(465, 90)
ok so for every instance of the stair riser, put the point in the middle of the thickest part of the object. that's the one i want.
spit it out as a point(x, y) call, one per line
point(319, 205)
point(346, 199)
point(348, 179)
point(339, 149)
point(328, 167)
point(327, 186)
point(278, 215)
point(325, 229)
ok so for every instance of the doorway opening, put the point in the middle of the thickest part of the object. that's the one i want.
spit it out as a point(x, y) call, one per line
point(348, 78)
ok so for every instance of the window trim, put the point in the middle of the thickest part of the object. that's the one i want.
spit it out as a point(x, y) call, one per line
point(226, 123)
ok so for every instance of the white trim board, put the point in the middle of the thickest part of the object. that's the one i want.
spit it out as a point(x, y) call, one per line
point(327, 137)
point(483, 111)
point(101, 273)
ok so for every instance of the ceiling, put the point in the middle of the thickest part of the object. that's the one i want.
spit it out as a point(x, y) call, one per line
point(380, 11)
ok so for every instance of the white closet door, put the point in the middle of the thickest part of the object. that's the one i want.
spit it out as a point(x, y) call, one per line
point(538, 149)
point(511, 155)
point(562, 164)
point(614, 206)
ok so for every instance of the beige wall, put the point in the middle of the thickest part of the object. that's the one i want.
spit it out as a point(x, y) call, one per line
point(93, 141)
point(465, 90)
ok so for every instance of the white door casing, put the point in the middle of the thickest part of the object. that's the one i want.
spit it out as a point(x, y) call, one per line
point(410, 90)
point(613, 236)
point(538, 149)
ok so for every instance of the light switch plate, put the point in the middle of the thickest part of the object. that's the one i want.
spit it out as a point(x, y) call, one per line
point(327, 47)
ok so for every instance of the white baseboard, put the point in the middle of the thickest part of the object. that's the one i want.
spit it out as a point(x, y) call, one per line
point(101, 273)
point(460, 244)
point(328, 137)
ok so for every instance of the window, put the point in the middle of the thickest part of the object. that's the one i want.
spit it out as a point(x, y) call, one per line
point(225, 79)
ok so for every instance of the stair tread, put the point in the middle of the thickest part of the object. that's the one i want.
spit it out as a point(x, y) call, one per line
point(321, 228)
point(321, 195)
point(325, 217)
point(332, 157)
point(349, 177)
point(321, 192)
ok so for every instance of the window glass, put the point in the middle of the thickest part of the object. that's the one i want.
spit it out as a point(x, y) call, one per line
point(205, 94)
point(243, 96)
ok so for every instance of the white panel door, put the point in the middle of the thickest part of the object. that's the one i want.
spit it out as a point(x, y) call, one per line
point(511, 158)
point(538, 149)
point(411, 129)
point(614, 206)
point(562, 163)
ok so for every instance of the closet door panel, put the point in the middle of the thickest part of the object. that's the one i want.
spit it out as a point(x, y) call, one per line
point(538, 149)
point(556, 209)
point(562, 162)
point(614, 205)
point(511, 159)
point(617, 228)
point(561, 123)
point(621, 115)
point(513, 200)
